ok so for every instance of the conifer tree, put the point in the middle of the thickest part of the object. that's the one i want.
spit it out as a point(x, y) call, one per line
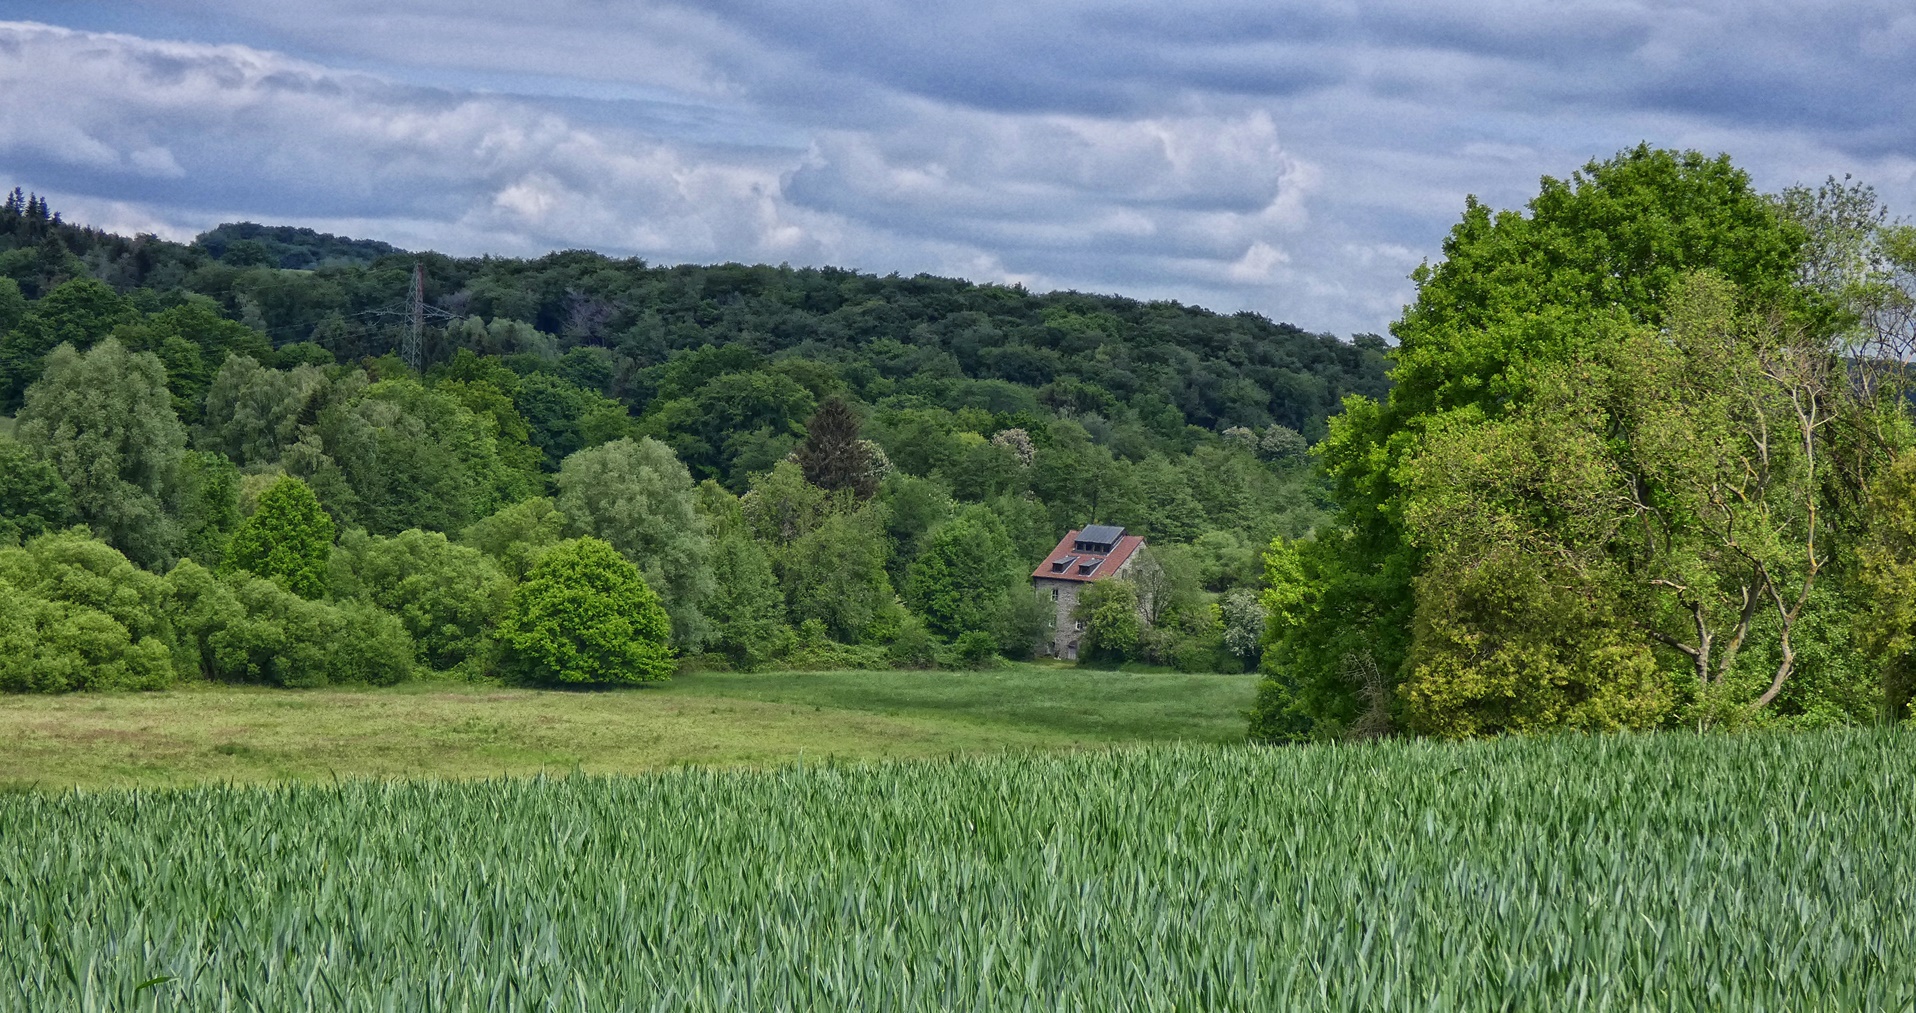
point(831, 456)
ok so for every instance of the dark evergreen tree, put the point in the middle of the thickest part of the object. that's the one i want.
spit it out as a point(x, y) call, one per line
point(831, 456)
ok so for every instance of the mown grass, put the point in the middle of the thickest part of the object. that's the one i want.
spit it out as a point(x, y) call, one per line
point(1638, 873)
point(227, 733)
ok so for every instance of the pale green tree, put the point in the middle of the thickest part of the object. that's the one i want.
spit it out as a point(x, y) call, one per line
point(104, 419)
point(637, 496)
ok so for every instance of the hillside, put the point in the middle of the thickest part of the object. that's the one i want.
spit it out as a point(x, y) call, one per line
point(687, 416)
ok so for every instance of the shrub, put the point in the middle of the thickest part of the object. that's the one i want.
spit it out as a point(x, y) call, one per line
point(247, 629)
point(585, 616)
point(976, 649)
point(914, 646)
point(1113, 630)
point(448, 596)
point(51, 646)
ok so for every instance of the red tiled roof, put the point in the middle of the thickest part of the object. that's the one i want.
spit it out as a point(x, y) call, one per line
point(1117, 557)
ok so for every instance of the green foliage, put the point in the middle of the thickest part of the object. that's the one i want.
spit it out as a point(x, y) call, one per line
point(254, 415)
point(33, 497)
point(104, 420)
point(914, 646)
point(1504, 646)
point(1189, 848)
point(1642, 498)
point(406, 456)
point(832, 457)
point(79, 313)
point(584, 615)
point(288, 540)
point(1243, 619)
point(1597, 252)
point(1024, 622)
point(517, 535)
point(248, 629)
point(835, 575)
point(1886, 574)
point(449, 597)
point(1113, 628)
point(747, 609)
point(963, 580)
point(75, 615)
point(207, 505)
point(635, 495)
point(563, 419)
point(975, 648)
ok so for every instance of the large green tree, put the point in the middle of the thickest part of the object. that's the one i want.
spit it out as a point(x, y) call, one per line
point(635, 495)
point(1598, 250)
point(78, 313)
point(964, 579)
point(584, 615)
point(288, 539)
point(105, 420)
point(33, 497)
point(449, 597)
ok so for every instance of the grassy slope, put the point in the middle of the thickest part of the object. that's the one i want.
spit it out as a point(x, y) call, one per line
point(219, 733)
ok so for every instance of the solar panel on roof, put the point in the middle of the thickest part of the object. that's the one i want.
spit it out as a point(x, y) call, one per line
point(1101, 534)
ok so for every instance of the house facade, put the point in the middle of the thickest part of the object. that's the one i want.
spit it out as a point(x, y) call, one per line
point(1096, 552)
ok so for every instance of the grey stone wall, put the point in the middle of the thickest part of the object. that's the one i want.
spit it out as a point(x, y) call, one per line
point(1064, 638)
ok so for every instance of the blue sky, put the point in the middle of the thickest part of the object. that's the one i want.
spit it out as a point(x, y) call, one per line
point(1295, 159)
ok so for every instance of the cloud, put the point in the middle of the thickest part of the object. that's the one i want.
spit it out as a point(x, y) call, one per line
point(1295, 158)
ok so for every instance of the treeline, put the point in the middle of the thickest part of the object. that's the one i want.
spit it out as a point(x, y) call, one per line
point(811, 468)
point(1646, 462)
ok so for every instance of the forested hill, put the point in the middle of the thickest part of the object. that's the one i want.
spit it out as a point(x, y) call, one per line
point(1114, 358)
point(249, 244)
point(795, 458)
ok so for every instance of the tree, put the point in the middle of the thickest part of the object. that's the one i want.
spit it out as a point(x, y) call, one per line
point(584, 615)
point(105, 421)
point(80, 313)
point(1603, 248)
point(1664, 490)
point(207, 505)
point(288, 540)
point(835, 574)
point(831, 456)
point(447, 596)
point(1112, 626)
point(517, 535)
point(254, 415)
point(965, 577)
point(33, 497)
point(635, 495)
point(77, 614)
point(1243, 618)
point(248, 629)
point(747, 609)
point(411, 457)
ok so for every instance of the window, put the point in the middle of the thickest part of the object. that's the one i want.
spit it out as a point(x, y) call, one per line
point(1054, 594)
point(1078, 626)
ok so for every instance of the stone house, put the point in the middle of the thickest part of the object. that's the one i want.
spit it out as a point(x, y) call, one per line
point(1098, 552)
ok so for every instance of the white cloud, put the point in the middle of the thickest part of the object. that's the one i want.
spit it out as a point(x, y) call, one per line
point(1293, 157)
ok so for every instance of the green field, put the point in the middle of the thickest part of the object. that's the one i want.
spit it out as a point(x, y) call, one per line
point(1675, 872)
point(228, 733)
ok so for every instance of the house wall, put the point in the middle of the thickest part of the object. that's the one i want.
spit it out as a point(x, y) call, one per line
point(1064, 637)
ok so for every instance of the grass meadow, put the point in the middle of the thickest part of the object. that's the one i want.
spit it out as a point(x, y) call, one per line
point(451, 730)
point(1672, 872)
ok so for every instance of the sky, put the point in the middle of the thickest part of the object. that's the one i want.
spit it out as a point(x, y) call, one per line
point(1294, 159)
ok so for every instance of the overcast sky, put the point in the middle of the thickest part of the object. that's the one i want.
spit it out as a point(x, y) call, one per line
point(1296, 159)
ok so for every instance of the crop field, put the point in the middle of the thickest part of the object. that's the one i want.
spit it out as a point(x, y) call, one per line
point(1764, 872)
